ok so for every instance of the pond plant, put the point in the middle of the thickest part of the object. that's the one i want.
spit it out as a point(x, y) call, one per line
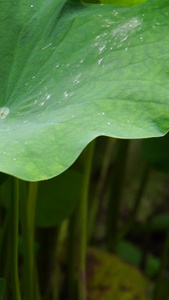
point(75, 76)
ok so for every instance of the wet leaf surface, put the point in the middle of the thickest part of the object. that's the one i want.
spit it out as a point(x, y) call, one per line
point(70, 73)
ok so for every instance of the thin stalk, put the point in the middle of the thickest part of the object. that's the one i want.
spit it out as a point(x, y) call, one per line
point(53, 246)
point(100, 185)
point(58, 250)
point(5, 246)
point(5, 255)
point(146, 244)
point(137, 201)
point(115, 197)
point(159, 287)
point(72, 259)
point(37, 288)
point(83, 217)
point(28, 206)
point(14, 239)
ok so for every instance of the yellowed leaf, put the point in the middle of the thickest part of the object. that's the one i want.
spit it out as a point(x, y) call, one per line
point(109, 278)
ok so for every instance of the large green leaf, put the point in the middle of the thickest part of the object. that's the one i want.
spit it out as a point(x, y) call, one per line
point(70, 73)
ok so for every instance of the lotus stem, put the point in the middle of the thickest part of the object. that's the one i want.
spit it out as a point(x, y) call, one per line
point(14, 239)
point(28, 206)
point(115, 196)
point(83, 216)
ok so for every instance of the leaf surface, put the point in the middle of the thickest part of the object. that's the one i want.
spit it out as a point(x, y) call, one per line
point(70, 73)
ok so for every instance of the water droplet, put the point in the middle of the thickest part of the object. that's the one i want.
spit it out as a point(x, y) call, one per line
point(65, 94)
point(4, 111)
point(47, 46)
point(72, 116)
point(126, 49)
point(42, 103)
point(128, 121)
point(102, 48)
point(14, 159)
point(31, 5)
point(103, 113)
point(99, 61)
point(77, 79)
point(47, 96)
point(108, 123)
point(114, 13)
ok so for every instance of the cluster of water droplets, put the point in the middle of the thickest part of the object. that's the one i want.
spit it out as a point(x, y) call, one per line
point(114, 34)
point(44, 99)
point(122, 32)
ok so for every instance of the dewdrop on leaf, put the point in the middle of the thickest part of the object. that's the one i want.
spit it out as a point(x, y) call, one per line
point(4, 111)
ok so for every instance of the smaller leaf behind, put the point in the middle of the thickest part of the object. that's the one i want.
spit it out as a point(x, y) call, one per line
point(156, 152)
point(3, 177)
point(57, 198)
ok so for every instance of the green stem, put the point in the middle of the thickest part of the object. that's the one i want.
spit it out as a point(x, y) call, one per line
point(28, 206)
point(83, 208)
point(72, 259)
point(115, 197)
point(5, 255)
point(146, 244)
point(58, 250)
point(5, 246)
point(137, 201)
point(14, 239)
point(100, 185)
point(53, 245)
point(159, 290)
